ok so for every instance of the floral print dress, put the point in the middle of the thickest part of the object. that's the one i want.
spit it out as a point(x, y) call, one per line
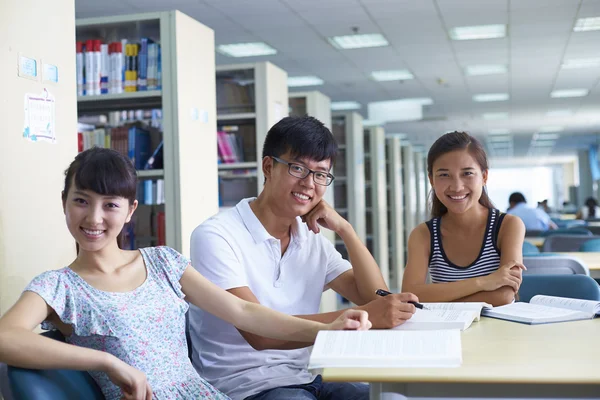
point(144, 328)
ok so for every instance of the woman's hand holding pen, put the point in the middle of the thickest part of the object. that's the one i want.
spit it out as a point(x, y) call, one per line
point(509, 274)
point(390, 310)
point(351, 320)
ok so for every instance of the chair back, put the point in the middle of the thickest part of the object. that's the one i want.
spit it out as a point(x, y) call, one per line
point(52, 384)
point(572, 286)
point(529, 248)
point(590, 245)
point(565, 243)
point(554, 265)
point(568, 231)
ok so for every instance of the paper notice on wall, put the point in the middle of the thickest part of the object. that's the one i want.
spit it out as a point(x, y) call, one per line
point(40, 117)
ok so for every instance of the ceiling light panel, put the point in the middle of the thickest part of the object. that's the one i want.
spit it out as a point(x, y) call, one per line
point(345, 105)
point(555, 94)
point(246, 49)
point(485, 69)
point(587, 24)
point(487, 97)
point(478, 32)
point(577, 63)
point(348, 42)
point(299, 81)
point(392, 75)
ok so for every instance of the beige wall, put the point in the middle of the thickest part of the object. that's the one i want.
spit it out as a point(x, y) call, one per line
point(33, 235)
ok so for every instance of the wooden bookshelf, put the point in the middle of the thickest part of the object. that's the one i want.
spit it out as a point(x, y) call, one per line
point(376, 200)
point(250, 99)
point(188, 82)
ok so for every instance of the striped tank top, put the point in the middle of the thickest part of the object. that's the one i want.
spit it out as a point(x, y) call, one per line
point(443, 270)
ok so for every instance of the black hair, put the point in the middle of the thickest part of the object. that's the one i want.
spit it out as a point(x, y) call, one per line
point(303, 137)
point(517, 197)
point(591, 204)
point(103, 171)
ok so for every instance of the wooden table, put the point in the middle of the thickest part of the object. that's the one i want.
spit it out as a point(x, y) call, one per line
point(501, 359)
point(590, 259)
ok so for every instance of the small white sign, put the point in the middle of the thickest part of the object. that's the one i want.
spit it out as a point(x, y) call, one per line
point(40, 117)
point(28, 68)
point(49, 73)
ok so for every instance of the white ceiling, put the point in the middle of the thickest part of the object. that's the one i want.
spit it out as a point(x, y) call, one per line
point(540, 37)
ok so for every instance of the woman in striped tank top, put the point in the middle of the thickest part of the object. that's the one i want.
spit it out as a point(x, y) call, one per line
point(471, 251)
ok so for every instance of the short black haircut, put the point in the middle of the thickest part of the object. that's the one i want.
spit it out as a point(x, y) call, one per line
point(302, 137)
point(517, 197)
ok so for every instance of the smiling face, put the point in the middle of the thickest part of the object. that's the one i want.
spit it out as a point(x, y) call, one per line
point(294, 196)
point(96, 220)
point(457, 180)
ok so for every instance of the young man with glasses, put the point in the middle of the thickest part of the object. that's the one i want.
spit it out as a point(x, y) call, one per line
point(268, 250)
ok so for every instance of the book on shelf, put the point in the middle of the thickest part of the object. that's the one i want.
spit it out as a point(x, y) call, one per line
point(444, 316)
point(546, 309)
point(386, 349)
point(230, 147)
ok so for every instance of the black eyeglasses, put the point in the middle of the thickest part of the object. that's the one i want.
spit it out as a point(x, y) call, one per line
point(300, 171)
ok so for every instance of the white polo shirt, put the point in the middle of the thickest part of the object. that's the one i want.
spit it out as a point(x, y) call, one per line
point(233, 249)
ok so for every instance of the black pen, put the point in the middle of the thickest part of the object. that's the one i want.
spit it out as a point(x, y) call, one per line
point(382, 293)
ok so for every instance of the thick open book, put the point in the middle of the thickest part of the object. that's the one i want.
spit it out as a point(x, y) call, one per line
point(546, 309)
point(386, 348)
point(444, 316)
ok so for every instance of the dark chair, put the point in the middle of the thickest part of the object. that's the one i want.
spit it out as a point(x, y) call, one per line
point(572, 286)
point(565, 243)
point(52, 384)
point(568, 231)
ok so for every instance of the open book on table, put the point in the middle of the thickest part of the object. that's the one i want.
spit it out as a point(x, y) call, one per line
point(444, 316)
point(546, 309)
point(386, 349)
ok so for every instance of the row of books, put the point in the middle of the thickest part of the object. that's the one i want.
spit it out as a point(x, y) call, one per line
point(151, 192)
point(133, 140)
point(117, 67)
point(230, 147)
point(147, 227)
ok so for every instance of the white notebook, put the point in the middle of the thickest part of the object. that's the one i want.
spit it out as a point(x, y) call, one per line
point(386, 349)
point(444, 316)
point(546, 309)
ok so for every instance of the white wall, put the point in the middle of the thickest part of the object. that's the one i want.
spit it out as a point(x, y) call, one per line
point(33, 234)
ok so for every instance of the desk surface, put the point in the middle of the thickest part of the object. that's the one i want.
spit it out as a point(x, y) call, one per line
point(590, 259)
point(496, 351)
point(536, 240)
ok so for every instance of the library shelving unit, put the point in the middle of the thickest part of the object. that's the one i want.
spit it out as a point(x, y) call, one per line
point(395, 203)
point(376, 198)
point(315, 104)
point(421, 191)
point(251, 98)
point(410, 189)
point(187, 102)
point(349, 184)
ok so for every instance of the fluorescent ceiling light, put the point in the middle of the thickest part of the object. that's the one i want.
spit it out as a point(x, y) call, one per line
point(587, 24)
point(246, 49)
point(395, 110)
point(297, 81)
point(392, 75)
point(358, 41)
point(499, 139)
point(486, 97)
point(550, 129)
point(371, 122)
point(559, 113)
point(581, 63)
point(543, 143)
point(424, 101)
point(495, 115)
point(546, 136)
point(345, 105)
point(478, 32)
point(568, 93)
point(499, 131)
point(485, 69)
